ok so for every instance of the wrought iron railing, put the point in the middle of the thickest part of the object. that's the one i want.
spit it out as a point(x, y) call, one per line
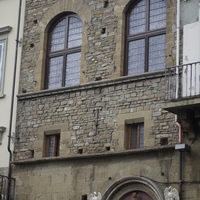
point(7, 188)
point(182, 81)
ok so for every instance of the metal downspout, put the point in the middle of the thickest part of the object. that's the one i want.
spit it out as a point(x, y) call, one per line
point(180, 140)
point(12, 99)
point(177, 92)
point(177, 46)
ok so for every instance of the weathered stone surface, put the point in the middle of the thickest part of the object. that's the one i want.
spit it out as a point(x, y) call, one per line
point(92, 117)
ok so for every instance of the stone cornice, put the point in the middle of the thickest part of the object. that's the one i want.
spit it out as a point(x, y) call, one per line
point(92, 85)
point(97, 155)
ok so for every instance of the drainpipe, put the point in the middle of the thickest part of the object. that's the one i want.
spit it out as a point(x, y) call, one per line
point(177, 91)
point(12, 99)
point(180, 139)
point(177, 45)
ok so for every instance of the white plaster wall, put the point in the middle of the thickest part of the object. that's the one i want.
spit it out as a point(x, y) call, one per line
point(9, 17)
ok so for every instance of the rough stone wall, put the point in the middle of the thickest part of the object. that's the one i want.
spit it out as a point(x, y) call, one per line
point(77, 111)
point(102, 53)
point(70, 179)
point(73, 110)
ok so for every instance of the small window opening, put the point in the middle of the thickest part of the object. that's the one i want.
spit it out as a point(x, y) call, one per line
point(52, 145)
point(135, 136)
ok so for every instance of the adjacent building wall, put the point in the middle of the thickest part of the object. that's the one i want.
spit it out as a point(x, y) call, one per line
point(8, 18)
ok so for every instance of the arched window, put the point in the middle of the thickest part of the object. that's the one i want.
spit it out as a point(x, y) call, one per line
point(145, 37)
point(64, 52)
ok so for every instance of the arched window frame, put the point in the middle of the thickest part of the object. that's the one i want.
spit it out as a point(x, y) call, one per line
point(144, 35)
point(65, 52)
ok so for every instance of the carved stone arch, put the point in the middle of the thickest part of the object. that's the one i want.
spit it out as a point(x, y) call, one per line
point(131, 184)
point(57, 9)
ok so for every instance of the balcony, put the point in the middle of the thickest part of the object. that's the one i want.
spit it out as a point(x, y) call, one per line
point(6, 183)
point(182, 94)
point(182, 87)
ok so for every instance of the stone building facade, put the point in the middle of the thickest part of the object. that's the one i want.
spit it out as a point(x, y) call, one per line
point(111, 132)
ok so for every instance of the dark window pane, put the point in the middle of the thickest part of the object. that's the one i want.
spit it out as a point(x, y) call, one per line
point(55, 72)
point(133, 137)
point(75, 32)
point(141, 133)
point(73, 69)
point(137, 18)
point(58, 36)
point(136, 55)
point(51, 145)
point(157, 53)
point(157, 14)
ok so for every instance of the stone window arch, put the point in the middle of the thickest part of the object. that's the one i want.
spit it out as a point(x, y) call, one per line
point(63, 52)
point(145, 48)
point(126, 188)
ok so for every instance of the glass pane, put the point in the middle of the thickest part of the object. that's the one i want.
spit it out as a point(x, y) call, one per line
point(133, 138)
point(136, 55)
point(137, 18)
point(157, 14)
point(55, 72)
point(75, 32)
point(141, 135)
point(58, 36)
point(157, 46)
point(73, 69)
point(51, 145)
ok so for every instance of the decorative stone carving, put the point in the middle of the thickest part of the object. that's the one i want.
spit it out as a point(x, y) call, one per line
point(95, 196)
point(171, 193)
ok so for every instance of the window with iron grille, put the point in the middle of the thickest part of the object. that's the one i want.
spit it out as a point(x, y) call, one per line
point(64, 53)
point(135, 136)
point(52, 145)
point(145, 37)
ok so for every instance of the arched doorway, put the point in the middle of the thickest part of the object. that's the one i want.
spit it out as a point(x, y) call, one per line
point(136, 195)
point(134, 188)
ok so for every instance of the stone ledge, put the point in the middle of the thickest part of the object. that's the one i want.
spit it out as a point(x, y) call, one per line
point(97, 155)
point(92, 85)
point(5, 29)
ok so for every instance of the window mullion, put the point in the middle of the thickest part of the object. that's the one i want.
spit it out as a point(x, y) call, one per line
point(146, 54)
point(65, 53)
point(146, 37)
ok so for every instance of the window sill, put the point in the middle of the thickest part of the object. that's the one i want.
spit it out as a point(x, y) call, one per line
point(93, 85)
point(2, 96)
point(97, 155)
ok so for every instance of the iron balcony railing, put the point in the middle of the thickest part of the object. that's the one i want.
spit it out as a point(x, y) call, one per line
point(182, 81)
point(5, 183)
